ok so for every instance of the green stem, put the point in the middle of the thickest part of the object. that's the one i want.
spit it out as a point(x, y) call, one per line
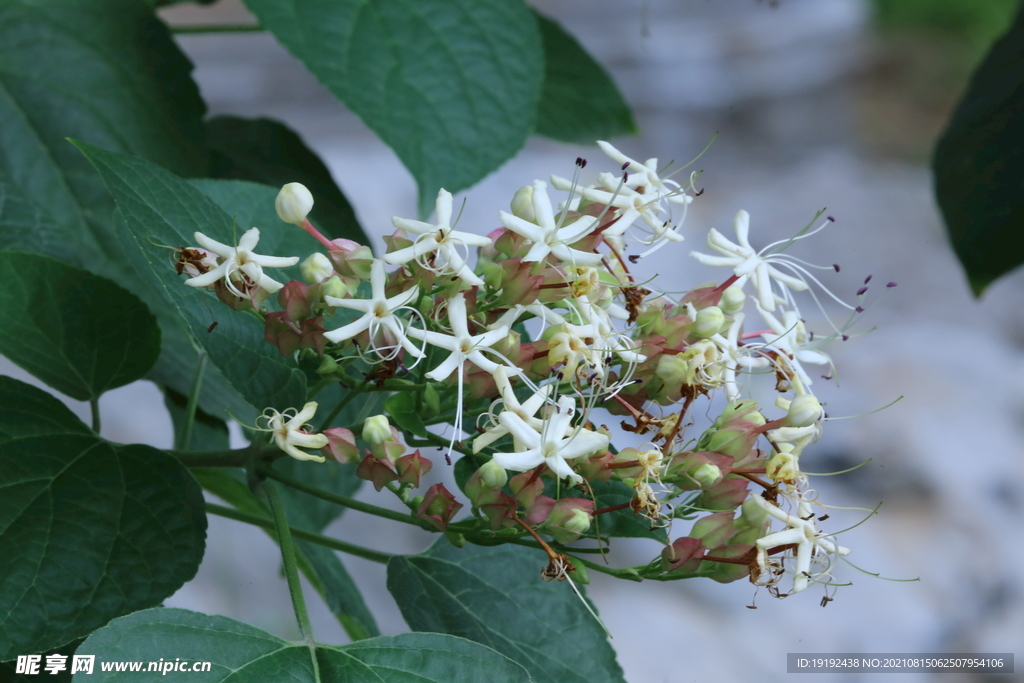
point(217, 28)
point(345, 501)
point(300, 534)
point(629, 573)
point(94, 404)
point(291, 567)
point(185, 435)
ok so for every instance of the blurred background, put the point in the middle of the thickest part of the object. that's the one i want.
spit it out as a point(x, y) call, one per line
point(816, 103)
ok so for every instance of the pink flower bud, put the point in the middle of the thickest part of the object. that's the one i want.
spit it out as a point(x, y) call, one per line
point(683, 555)
point(282, 334)
point(341, 445)
point(524, 491)
point(294, 299)
point(380, 471)
point(438, 507)
point(714, 530)
point(570, 518)
point(727, 494)
point(411, 468)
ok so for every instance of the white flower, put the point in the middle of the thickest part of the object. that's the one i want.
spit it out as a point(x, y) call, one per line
point(463, 346)
point(379, 312)
point(547, 235)
point(801, 531)
point(527, 410)
point(639, 196)
point(240, 258)
point(748, 263)
point(736, 356)
point(789, 337)
point(439, 237)
point(550, 445)
point(290, 436)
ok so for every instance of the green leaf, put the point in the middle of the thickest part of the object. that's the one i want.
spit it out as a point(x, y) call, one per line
point(268, 152)
point(158, 207)
point(979, 165)
point(109, 74)
point(452, 86)
point(401, 407)
point(26, 410)
point(80, 333)
point(240, 653)
point(496, 596)
point(621, 523)
point(89, 531)
point(8, 669)
point(580, 101)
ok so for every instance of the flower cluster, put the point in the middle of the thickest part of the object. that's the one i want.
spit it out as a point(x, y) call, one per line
point(521, 341)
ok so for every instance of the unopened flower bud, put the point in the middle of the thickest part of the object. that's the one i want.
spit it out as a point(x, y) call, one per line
point(522, 204)
point(376, 429)
point(707, 475)
point(732, 301)
point(438, 507)
point(672, 369)
point(493, 475)
point(328, 366)
point(334, 286)
point(315, 268)
point(293, 203)
point(804, 411)
point(569, 518)
point(341, 445)
point(709, 321)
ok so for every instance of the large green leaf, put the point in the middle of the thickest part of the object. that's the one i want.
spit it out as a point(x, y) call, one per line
point(580, 101)
point(451, 85)
point(89, 531)
point(110, 74)
point(496, 596)
point(107, 73)
point(240, 653)
point(80, 333)
point(158, 207)
point(979, 165)
point(268, 152)
point(26, 410)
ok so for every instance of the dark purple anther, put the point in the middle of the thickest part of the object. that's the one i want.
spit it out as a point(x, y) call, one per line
point(581, 162)
point(867, 279)
point(836, 266)
point(625, 166)
point(845, 337)
point(861, 290)
point(891, 284)
point(830, 219)
point(859, 309)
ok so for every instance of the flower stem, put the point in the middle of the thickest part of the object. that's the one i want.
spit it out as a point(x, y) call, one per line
point(344, 501)
point(319, 539)
point(291, 568)
point(184, 439)
point(217, 28)
point(94, 404)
